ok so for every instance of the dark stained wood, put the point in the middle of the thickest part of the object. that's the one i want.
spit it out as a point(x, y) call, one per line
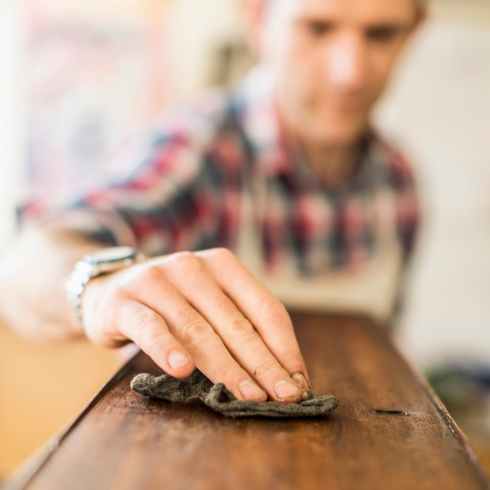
point(124, 441)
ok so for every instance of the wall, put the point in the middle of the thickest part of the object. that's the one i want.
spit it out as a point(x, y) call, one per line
point(438, 110)
point(11, 115)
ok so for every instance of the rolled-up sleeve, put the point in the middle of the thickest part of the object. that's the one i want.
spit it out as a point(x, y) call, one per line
point(155, 207)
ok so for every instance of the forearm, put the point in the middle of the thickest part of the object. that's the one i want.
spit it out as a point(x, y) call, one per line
point(33, 273)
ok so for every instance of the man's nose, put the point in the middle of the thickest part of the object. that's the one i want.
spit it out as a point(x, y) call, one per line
point(345, 63)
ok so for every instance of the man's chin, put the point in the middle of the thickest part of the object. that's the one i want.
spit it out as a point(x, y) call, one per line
point(338, 135)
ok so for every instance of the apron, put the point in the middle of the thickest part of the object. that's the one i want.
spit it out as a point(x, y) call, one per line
point(371, 291)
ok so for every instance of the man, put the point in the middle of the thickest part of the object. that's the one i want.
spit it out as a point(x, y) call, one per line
point(284, 171)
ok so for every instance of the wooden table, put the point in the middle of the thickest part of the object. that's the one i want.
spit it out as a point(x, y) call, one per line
point(124, 441)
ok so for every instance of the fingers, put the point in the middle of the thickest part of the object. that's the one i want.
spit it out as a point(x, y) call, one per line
point(204, 346)
point(150, 332)
point(207, 311)
point(265, 312)
point(240, 338)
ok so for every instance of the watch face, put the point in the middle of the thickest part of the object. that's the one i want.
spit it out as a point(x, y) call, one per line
point(114, 254)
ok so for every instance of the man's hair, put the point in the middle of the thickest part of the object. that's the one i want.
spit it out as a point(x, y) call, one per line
point(421, 3)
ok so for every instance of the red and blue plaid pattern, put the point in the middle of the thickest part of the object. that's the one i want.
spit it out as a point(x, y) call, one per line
point(185, 192)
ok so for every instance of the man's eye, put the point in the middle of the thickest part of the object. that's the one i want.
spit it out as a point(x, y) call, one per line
point(382, 34)
point(318, 29)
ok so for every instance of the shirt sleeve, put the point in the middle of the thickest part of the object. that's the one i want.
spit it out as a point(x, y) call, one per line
point(164, 204)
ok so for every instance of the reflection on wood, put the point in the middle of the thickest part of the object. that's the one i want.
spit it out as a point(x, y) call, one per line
point(125, 441)
point(41, 389)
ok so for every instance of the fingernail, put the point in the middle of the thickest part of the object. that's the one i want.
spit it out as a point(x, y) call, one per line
point(250, 391)
point(285, 389)
point(177, 360)
point(301, 380)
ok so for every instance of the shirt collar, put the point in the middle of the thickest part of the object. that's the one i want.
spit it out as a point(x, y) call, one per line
point(261, 123)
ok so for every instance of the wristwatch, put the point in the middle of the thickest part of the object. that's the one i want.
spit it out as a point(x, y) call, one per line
point(96, 264)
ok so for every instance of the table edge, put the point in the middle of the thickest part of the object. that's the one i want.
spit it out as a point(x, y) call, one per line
point(24, 475)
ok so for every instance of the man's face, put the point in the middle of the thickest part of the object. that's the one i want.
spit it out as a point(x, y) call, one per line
point(332, 59)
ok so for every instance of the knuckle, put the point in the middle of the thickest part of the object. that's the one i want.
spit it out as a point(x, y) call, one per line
point(276, 313)
point(152, 274)
point(117, 296)
point(268, 367)
point(111, 304)
point(194, 332)
point(295, 362)
point(224, 254)
point(186, 261)
point(230, 373)
point(141, 319)
point(154, 340)
point(146, 329)
point(239, 327)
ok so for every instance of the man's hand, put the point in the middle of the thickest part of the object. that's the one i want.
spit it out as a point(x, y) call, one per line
point(201, 310)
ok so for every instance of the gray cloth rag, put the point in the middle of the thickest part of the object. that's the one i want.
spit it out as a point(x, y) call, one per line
point(219, 398)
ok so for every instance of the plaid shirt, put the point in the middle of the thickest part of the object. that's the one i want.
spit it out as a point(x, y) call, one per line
point(184, 191)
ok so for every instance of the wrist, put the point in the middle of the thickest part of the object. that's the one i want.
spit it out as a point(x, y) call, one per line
point(94, 265)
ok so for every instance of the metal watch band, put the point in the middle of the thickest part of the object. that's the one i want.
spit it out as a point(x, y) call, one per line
point(81, 275)
point(84, 271)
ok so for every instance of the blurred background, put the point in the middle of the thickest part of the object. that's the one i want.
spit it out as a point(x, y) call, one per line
point(78, 79)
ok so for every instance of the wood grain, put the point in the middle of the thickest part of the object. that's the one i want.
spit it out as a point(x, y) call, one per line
point(124, 441)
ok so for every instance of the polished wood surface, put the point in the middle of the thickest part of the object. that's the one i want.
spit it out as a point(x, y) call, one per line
point(32, 376)
point(124, 441)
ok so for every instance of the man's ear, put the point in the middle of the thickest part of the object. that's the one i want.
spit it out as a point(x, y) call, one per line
point(254, 12)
